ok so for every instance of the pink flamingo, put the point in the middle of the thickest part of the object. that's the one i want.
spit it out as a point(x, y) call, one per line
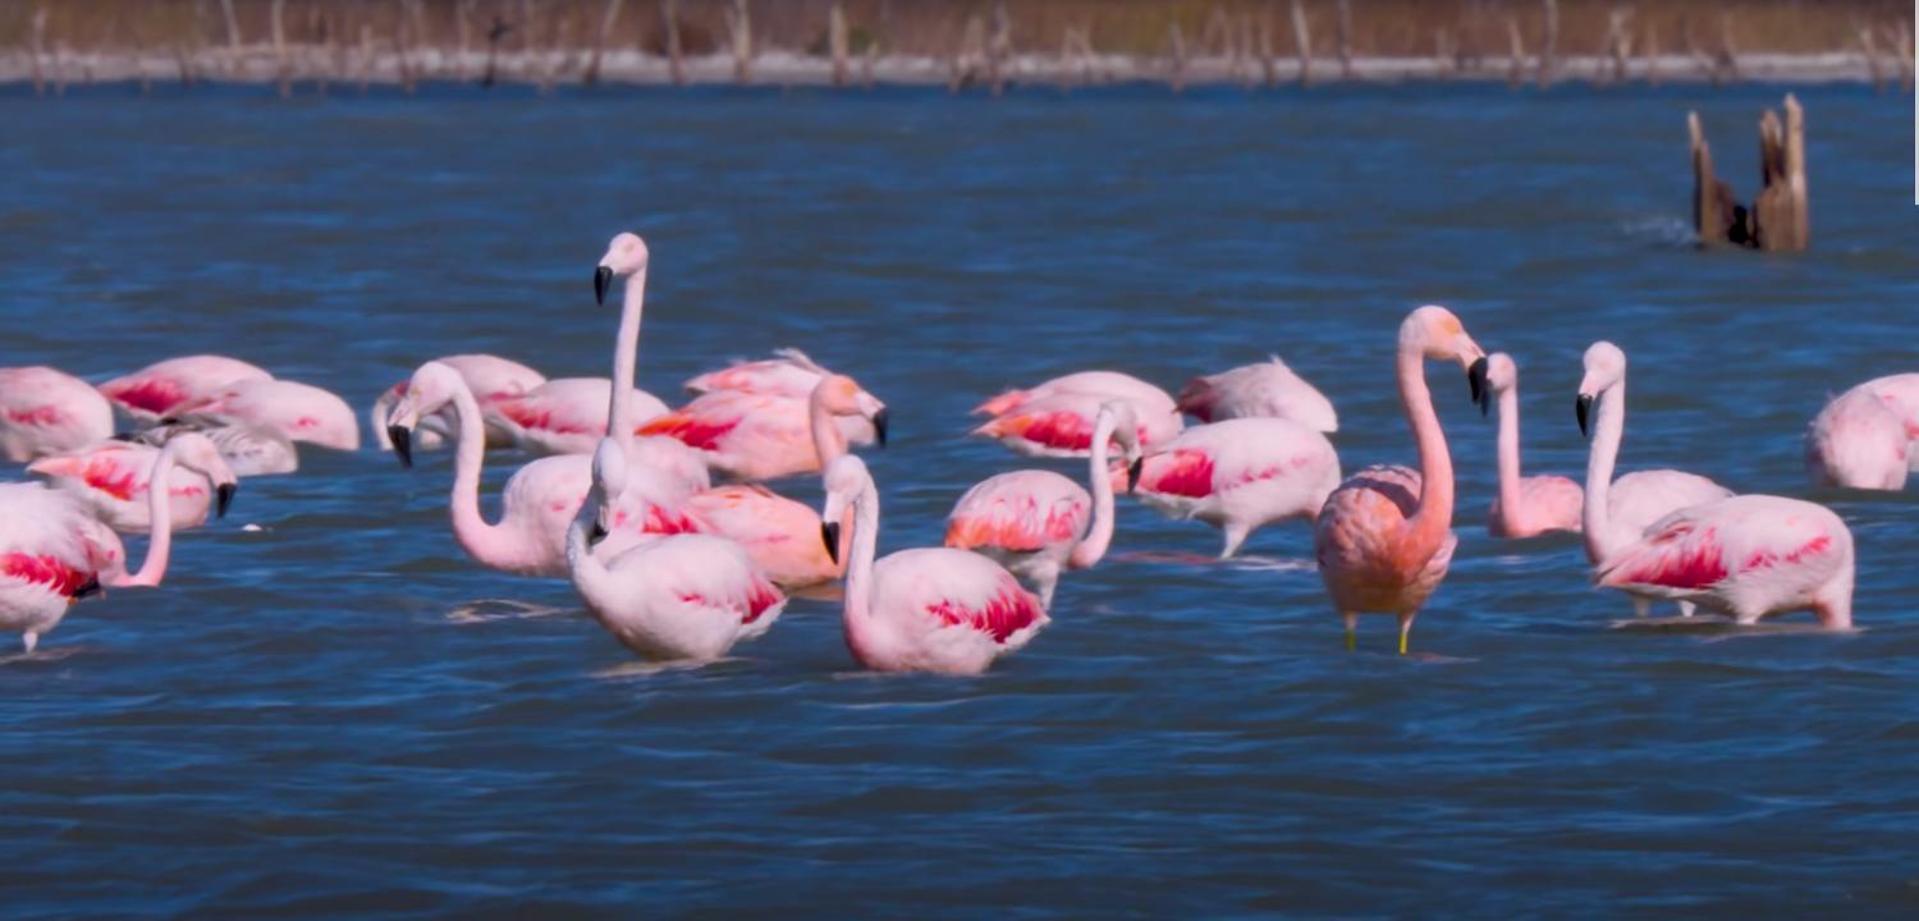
point(1617, 512)
point(1746, 556)
point(679, 597)
point(1147, 399)
point(53, 553)
point(1037, 523)
point(1240, 475)
point(112, 480)
point(933, 609)
point(1061, 425)
point(164, 388)
point(47, 411)
point(539, 501)
point(1384, 538)
point(294, 411)
point(490, 377)
point(1264, 389)
point(1526, 506)
point(757, 436)
point(1863, 440)
point(249, 450)
point(789, 373)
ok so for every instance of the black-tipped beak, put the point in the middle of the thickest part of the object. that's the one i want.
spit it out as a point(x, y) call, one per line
point(879, 426)
point(595, 534)
point(1584, 409)
point(1476, 379)
point(402, 438)
point(1132, 474)
point(602, 280)
point(90, 587)
point(830, 535)
point(224, 497)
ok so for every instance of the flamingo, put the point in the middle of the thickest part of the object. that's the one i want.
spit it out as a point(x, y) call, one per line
point(1617, 512)
point(1267, 388)
point(1036, 522)
point(490, 377)
point(1061, 425)
point(680, 597)
point(1239, 475)
point(790, 373)
point(46, 411)
point(1860, 441)
point(1745, 556)
point(1147, 399)
point(1526, 506)
point(249, 450)
point(1384, 538)
point(758, 436)
point(163, 388)
point(294, 411)
point(53, 553)
point(566, 415)
point(933, 609)
point(539, 501)
point(111, 479)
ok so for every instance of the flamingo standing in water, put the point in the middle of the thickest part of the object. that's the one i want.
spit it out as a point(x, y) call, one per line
point(1618, 512)
point(1526, 506)
point(933, 609)
point(1037, 522)
point(758, 436)
point(1384, 538)
point(166, 387)
point(1746, 556)
point(1240, 475)
point(112, 480)
point(53, 553)
point(294, 411)
point(490, 377)
point(47, 411)
point(790, 373)
point(1264, 389)
point(1055, 419)
point(249, 450)
point(1863, 438)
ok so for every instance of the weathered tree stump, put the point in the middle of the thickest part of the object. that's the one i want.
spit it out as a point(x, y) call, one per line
point(1780, 217)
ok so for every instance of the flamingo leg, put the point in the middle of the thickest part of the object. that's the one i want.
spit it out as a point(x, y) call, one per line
point(1641, 607)
point(1686, 608)
point(1352, 626)
point(1405, 629)
point(1236, 533)
point(29, 640)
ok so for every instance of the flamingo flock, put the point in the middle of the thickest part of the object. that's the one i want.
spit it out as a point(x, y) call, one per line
point(664, 522)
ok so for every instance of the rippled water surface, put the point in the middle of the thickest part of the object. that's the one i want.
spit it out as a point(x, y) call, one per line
point(338, 713)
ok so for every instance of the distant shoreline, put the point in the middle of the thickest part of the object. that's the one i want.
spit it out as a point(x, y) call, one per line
point(258, 65)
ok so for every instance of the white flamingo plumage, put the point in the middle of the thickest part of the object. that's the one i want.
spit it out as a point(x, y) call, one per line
point(1263, 389)
point(490, 377)
point(933, 609)
point(165, 388)
point(294, 411)
point(1055, 418)
point(1863, 439)
point(1240, 475)
point(1038, 523)
point(112, 479)
point(46, 411)
point(762, 436)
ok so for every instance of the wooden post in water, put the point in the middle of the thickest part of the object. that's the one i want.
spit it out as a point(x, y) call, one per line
point(1302, 44)
point(1709, 195)
point(999, 48)
point(610, 16)
point(277, 14)
point(37, 48)
point(1549, 46)
point(1516, 68)
point(140, 56)
point(739, 24)
point(461, 10)
point(1652, 52)
point(1619, 42)
point(675, 64)
point(366, 56)
point(1728, 51)
point(1870, 50)
point(494, 34)
point(233, 34)
point(1269, 68)
point(1901, 34)
point(1176, 41)
point(1345, 39)
point(836, 40)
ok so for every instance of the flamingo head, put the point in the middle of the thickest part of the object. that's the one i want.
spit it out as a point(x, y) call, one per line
point(428, 391)
point(625, 256)
point(1435, 333)
point(847, 485)
point(198, 453)
point(1605, 369)
point(609, 480)
point(842, 396)
point(1502, 374)
point(1125, 423)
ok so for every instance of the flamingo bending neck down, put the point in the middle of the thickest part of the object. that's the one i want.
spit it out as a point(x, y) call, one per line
point(1264, 389)
point(53, 552)
point(1240, 475)
point(1036, 522)
point(1526, 506)
point(761, 436)
point(165, 388)
point(490, 377)
point(1055, 419)
point(47, 411)
point(113, 479)
point(1617, 513)
point(1384, 539)
point(295, 411)
point(933, 609)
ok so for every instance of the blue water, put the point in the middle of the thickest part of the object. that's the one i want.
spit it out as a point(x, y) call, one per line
point(339, 714)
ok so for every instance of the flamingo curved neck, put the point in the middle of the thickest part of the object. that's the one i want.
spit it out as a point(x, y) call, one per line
point(1091, 550)
point(488, 543)
point(828, 442)
point(588, 571)
point(160, 527)
point(1610, 429)
point(626, 350)
point(1509, 459)
point(859, 569)
point(1434, 516)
